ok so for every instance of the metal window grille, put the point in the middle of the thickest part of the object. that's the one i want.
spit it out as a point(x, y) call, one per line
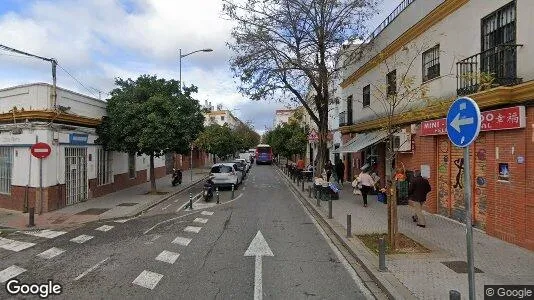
point(131, 166)
point(366, 95)
point(391, 79)
point(6, 164)
point(75, 174)
point(431, 63)
point(104, 167)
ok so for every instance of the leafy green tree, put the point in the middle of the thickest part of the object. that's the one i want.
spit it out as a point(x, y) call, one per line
point(218, 140)
point(150, 116)
point(246, 136)
point(287, 139)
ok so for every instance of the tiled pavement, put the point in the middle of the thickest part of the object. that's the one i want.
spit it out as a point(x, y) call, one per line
point(424, 274)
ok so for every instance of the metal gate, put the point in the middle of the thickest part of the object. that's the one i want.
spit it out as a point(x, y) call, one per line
point(75, 175)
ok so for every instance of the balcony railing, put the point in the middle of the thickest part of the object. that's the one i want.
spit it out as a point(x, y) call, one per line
point(400, 8)
point(494, 67)
point(343, 119)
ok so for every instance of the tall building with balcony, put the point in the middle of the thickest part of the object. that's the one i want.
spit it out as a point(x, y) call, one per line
point(451, 48)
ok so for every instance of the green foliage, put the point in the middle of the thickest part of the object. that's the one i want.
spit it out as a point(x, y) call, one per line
point(246, 137)
point(287, 139)
point(218, 140)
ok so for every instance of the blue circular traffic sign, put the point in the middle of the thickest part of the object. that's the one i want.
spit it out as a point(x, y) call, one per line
point(463, 122)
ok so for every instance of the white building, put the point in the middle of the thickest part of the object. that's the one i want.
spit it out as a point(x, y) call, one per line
point(221, 117)
point(77, 168)
point(282, 116)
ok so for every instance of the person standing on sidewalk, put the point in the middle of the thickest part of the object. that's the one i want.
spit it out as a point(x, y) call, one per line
point(366, 182)
point(340, 170)
point(328, 169)
point(419, 188)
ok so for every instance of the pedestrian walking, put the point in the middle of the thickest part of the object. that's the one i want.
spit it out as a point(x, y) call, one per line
point(340, 171)
point(366, 183)
point(417, 192)
point(328, 169)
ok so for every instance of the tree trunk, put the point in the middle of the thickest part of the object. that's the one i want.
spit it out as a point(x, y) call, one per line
point(392, 204)
point(322, 144)
point(152, 175)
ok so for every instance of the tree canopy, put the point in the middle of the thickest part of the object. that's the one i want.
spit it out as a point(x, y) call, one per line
point(150, 116)
point(287, 139)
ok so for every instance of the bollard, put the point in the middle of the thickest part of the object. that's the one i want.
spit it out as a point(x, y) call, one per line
point(330, 208)
point(191, 201)
point(454, 295)
point(382, 255)
point(318, 197)
point(309, 191)
point(217, 190)
point(349, 225)
point(32, 216)
point(302, 185)
point(232, 191)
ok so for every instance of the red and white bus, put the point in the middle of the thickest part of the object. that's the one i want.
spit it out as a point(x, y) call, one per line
point(264, 154)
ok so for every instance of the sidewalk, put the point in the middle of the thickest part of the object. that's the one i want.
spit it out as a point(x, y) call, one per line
point(424, 275)
point(121, 204)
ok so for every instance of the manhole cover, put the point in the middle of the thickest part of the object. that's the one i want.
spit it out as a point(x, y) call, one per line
point(93, 211)
point(459, 266)
point(127, 204)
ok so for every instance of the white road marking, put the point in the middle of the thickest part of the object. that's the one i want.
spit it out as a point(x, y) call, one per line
point(157, 236)
point(187, 203)
point(90, 269)
point(182, 241)
point(207, 213)
point(50, 253)
point(81, 239)
point(341, 258)
point(165, 221)
point(104, 228)
point(13, 245)
point(49, 234)
point(148, 279)
point(123, 220)
point(192, 229)
point(10, 272)
point(258, 248)
point(201, 220)
point(167, 206)
point(168, 256)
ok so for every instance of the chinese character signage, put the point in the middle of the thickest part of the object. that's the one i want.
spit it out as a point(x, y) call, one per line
point(499, 119)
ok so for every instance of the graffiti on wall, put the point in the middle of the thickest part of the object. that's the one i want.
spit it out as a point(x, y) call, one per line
point(480, 183)
point(443, 176)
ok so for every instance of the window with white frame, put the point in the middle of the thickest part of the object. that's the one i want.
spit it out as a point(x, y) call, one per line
point(431, 63)
point(104, 167)
point(6, 164)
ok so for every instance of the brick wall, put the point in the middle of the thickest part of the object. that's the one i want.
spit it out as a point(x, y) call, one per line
point(528, 227)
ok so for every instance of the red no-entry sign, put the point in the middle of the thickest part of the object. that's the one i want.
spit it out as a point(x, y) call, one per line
point(41, 150)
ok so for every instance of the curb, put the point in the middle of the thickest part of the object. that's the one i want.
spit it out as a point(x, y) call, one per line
point(386, 281)
point(154, 202)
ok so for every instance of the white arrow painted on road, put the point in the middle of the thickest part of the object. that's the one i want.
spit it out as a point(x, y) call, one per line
point(258, 248)
point(456, 122)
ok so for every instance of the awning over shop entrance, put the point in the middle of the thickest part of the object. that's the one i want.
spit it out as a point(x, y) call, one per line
point(362, 141)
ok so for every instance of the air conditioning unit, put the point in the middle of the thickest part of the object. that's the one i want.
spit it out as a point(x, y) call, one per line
point(402, 142)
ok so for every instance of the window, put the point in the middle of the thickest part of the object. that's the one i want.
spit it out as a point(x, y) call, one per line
point(431, 63)
point(222, 118)
point(131, 165)
point(6, 164)
point(349, 110)
point(366, 95)
point(391, 79)
point(104, 171)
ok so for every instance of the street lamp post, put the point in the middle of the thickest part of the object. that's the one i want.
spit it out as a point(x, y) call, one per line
point(182, 56)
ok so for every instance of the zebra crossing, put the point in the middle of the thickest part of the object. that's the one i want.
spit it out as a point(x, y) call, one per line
point(149, 279)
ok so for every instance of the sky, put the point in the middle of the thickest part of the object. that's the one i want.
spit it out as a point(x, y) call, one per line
point(96, 41)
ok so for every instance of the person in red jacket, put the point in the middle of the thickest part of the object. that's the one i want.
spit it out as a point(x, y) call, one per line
point(419, 188)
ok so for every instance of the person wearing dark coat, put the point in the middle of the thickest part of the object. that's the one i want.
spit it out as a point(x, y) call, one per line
point(328, 169)
point(340, 170)
point(417, 191)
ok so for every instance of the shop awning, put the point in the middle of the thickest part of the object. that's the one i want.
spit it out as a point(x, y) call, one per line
point(362, 141)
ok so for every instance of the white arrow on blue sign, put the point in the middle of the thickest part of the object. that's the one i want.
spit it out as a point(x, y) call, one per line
point(463, 122)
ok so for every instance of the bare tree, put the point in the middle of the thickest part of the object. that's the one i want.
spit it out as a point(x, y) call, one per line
point(282, 48)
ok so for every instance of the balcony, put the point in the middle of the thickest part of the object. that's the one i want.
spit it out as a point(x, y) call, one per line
point(343, 119)
point(494, 67)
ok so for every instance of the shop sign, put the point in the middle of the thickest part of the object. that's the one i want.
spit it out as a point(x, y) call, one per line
point(498, 119)
point(78, 139)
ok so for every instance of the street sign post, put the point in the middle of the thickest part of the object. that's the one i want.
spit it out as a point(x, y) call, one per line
point(40, 151)
point(463, 126)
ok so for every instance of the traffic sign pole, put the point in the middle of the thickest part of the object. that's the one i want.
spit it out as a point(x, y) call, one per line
point(463, 126)
point(40, 151)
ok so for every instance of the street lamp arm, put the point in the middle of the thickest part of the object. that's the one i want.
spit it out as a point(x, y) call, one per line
point(201, 50)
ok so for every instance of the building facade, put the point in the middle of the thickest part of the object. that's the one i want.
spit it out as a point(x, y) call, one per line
point(77, 168)
point(281, 116)
point(452, 48)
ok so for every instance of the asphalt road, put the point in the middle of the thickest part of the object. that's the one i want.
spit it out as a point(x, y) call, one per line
point(159, 255)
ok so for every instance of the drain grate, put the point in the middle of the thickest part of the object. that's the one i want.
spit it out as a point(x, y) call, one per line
point(127, 204)
point(459, 266)
point(93, 211)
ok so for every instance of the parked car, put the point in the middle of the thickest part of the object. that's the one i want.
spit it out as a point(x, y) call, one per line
point(241, 167)
point(226, 174)
point(244, 161)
